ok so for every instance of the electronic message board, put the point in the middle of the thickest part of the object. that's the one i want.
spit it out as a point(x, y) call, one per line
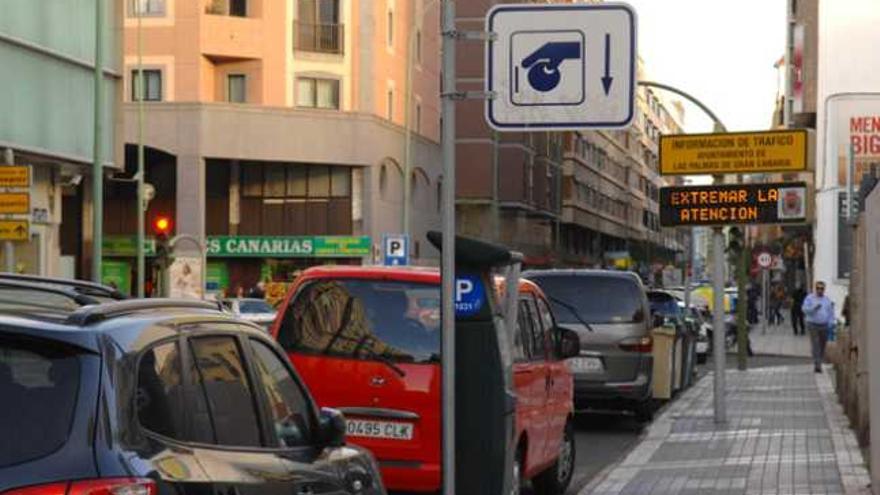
point(733, 204)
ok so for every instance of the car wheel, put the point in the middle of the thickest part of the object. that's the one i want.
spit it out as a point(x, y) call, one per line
point(555, 479)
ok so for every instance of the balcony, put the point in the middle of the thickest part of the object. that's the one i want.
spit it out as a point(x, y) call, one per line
point(320, 38)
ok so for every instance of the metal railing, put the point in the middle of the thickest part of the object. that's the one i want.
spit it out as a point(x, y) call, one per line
point(323, 38)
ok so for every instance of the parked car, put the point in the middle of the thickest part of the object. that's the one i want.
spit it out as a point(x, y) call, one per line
point(367, 341)
point(251, 309)
point(158, 396)
point(609, 311)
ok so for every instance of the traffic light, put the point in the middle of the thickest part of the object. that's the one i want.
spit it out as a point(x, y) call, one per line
point(161, 229)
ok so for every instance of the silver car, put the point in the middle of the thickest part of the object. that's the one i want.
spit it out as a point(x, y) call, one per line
point(251, 309)
point(609, 310)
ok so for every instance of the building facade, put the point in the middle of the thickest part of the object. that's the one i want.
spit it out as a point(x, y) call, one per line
point(47, 93)
point(276, 130)
point(561, 198)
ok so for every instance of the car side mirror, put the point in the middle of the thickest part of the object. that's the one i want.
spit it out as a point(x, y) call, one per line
point(569, 343)
point(331, 427)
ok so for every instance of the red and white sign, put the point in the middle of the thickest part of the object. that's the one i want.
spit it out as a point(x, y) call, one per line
point(765, 260)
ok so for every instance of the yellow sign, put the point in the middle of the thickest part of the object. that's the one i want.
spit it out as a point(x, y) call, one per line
point(14, 230)
point(15, 203)
point(734, 153)
point(15, 176)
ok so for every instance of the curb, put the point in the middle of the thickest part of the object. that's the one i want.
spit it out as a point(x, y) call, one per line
point(850, 463)
point(658, 428)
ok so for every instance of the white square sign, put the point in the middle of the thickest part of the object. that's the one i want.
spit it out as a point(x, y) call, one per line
point(558, 67)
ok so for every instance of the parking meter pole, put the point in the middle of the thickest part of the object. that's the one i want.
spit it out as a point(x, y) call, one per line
point(447, 263)
point(720, 353)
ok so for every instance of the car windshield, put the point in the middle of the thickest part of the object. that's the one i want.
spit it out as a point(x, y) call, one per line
point(255, 306)
point(366, 319)
point(663, 304)
point(592, 299)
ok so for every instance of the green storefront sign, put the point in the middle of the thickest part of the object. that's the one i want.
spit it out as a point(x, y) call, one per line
point(290, 246)
point(124, 245)
point(217, 277)
point(117, 274)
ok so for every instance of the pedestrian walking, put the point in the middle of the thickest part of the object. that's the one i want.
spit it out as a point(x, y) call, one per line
point(777, 298)
point(819, 315)
point(259, 291)
point(797, 311)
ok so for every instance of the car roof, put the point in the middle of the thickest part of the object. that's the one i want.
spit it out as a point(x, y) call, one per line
point(132, 323)
point(407, 273)
point(582, 272)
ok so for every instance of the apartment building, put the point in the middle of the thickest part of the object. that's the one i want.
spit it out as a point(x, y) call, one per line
point(47, 93)
point(276, 130)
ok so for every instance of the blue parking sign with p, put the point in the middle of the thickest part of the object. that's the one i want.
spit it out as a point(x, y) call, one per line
point(396, 250)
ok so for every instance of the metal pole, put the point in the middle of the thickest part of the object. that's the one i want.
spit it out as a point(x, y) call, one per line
point(718, 334)
point(97, 165)
point(9, 246)
point(764, 297)
point(141, 264)
point(407, 147)
point(448, 252)
point(689, 266)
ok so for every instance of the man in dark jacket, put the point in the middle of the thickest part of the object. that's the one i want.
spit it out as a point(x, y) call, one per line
point(797, 312)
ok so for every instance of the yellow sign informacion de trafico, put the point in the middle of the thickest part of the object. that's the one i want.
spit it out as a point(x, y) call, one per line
point(14, 230)
point(734, 153)
point(15, 176)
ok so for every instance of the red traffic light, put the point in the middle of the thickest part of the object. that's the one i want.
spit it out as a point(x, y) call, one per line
point(162, 225)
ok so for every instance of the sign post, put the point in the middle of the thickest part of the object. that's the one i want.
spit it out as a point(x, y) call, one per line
point(15, 206)
point(765, 260)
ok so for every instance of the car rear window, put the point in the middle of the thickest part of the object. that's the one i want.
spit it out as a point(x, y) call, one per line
point(366, 319)
point(38, 389)
point(255, 306)
point(664, 304)
point(592, 299)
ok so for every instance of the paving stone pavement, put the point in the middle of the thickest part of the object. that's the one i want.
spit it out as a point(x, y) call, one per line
point(786, 434)
point(779, 340)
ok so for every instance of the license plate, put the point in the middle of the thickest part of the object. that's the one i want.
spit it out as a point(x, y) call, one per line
point(586, 365)
point(378, 429)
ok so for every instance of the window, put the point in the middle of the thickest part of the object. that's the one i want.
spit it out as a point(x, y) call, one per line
point(598, 299)
point(365, 319)
point(236, 88)
point(340, 185)
point(549, 325)
point(169, 402)
point(238, 8)
point(39, 385)
point(288, 407)
point(231, 402)
point(152, 85)
point(317, 93)
point(389, 110)
point(390, 34)
point(529, 331)
point(318, 28)
point(151, 8)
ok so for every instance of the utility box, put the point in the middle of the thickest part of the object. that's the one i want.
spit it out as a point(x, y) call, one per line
point(664, 362)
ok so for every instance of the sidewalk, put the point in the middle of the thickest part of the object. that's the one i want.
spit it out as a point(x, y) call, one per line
point(780, 341)
point(786, 434)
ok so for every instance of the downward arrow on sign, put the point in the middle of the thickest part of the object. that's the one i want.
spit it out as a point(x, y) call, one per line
point(607, 79)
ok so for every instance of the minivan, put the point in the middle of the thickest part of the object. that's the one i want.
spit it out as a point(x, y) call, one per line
point(367, 342)
point(609, 310)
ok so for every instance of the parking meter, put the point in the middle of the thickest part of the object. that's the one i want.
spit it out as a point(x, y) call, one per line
point(484, 398)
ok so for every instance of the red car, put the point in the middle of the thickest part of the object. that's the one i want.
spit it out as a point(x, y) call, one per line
point(366, 340)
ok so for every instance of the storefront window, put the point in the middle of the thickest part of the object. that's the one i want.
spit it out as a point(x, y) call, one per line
point(296, 181)
point(251, 179)
point(274, 181)
point(341, 184)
